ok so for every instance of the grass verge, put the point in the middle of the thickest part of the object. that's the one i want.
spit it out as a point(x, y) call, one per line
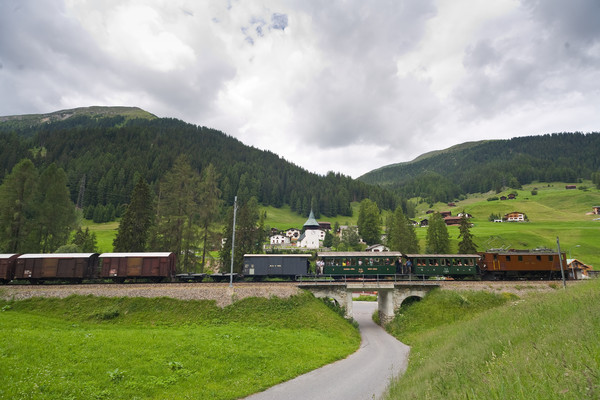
point(128, 348)
point(540, 347)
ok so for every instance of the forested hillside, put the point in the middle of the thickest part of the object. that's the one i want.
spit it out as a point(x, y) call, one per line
point(493, 165)
point(104, 154)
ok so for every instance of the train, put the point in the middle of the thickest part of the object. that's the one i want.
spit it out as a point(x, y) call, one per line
point(160, 266)
point(490, 265)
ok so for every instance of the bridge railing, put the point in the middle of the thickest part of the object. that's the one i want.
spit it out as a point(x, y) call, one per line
point(326, 278)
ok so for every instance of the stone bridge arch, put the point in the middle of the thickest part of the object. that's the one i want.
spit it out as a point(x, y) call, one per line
point(390, 295)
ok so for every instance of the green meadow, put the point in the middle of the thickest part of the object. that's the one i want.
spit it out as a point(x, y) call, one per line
point(477, 345)
point(86, 347)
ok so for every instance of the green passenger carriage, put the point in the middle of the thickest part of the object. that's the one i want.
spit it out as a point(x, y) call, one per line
point(454, 265)
point(359, 262)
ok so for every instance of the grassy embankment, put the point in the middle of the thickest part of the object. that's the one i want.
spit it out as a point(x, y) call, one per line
point(127, 348)
point(473, 345)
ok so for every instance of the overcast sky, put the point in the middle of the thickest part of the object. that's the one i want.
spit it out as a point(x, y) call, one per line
point(346, 86)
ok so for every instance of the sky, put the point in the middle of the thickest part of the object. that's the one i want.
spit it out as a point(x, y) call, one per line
point(338, 85)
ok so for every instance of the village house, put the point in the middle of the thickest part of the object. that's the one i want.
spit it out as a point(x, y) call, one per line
point(515, 217)
point(279, 239)
point(377, 248)
point(293, 233)
point(577, 269)
point(452, 221)
point(325, 226)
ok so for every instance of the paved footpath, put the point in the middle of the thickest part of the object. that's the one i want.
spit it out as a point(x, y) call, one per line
point(363, 375)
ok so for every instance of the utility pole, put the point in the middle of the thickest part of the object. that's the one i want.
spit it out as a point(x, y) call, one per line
point(233, 241)
point(562, 271)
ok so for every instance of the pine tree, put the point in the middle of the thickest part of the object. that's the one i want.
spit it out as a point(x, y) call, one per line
point(401, 234)
point(137, 221)
point(85, 241)
point(466, 245)
point(55, 211)
point(438, 240)
point(208, 211)
point(369, 222)
point(177, 229)
point(17, 209)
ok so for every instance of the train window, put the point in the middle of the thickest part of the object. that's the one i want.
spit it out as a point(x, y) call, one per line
point(520, 258)
point(550, 258)
point(507, 258)
point(539, 258)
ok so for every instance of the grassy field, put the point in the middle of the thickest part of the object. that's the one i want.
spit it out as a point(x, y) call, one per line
point(472, 345)
point(137, 348)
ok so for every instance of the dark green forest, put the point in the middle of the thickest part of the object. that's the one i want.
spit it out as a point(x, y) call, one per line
point(494, 165)
point(104, 157)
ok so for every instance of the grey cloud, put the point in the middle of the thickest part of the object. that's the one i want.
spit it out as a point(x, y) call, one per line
point(549, 56)
point(279, 21)
point(358, 98)
point(48, 57)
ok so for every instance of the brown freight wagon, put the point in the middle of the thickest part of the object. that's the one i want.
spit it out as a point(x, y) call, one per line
point(74, 267)
point(7, 267)
point(154, 266)
point(541, 264)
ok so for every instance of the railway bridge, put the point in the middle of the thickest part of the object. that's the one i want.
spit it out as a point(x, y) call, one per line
point(390, 297)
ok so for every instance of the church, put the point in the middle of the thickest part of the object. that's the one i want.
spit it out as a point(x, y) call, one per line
point(312, 235)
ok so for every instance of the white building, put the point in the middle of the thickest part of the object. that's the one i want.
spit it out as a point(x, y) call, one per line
point(279, 239)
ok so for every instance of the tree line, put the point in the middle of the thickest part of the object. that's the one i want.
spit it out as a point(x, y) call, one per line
point(105, 157)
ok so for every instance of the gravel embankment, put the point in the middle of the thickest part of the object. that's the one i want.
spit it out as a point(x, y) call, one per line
point(220, 292)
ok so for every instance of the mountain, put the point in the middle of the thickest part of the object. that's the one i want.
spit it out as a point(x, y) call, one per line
point(104, 150)
point(31, 121)
point(477, 167)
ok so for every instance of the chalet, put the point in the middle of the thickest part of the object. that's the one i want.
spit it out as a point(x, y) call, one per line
point(515, 217)
point(503, 197)
point(452, 221)
point(568, 187)
point(445, 214)
point(596, 210)
point(577, 269)
point(326, 226)
point(377, 248)
point(451, 204)
point(424, 222)
point(279, 239)
point(512, 196)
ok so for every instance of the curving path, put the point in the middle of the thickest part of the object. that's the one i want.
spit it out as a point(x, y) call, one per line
point(363, 375)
